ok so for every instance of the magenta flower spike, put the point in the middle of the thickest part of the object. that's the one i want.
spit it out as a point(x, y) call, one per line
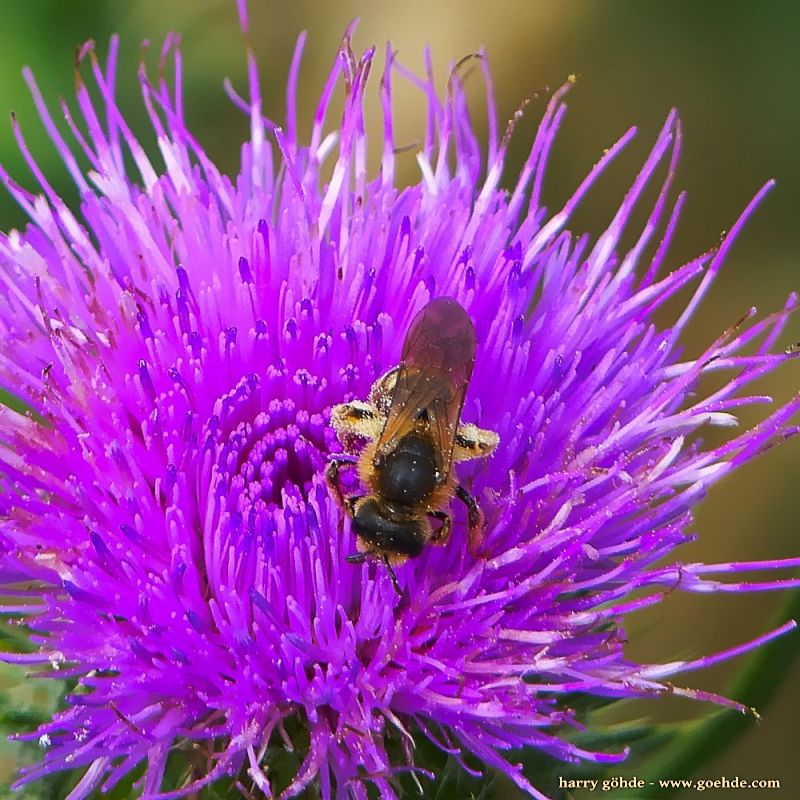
point(166, 532)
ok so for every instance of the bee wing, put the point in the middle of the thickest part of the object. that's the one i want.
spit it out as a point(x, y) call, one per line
point(432, 379)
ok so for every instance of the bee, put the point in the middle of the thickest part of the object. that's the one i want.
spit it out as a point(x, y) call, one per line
point(411, 423)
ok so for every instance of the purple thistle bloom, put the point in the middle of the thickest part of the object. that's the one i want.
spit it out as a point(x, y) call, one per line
point(165, 528)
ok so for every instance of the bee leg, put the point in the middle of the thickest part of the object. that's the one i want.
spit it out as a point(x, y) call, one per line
point(443, 534)
point(349, 504)
point(474, 442)
point(356, 420)
point(332, 479)
point(475, 518)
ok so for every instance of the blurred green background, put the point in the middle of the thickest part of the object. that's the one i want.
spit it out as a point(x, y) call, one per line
point(730, 68)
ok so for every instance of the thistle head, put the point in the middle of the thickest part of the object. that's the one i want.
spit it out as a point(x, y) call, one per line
point(178, 341)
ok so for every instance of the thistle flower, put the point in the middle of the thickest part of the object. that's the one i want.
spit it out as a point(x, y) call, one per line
point(167, 534)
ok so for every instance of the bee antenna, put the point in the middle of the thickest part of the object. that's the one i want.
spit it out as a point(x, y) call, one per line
point(392, 575)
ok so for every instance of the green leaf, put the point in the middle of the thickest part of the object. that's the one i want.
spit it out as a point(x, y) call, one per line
point(14, 638)
point(638, 735)
point(755, 686)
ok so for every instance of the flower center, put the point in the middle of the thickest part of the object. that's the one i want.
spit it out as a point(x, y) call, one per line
point(257, 452)
point(282, 446)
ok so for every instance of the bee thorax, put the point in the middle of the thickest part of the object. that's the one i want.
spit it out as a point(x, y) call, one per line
point(408, 474)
